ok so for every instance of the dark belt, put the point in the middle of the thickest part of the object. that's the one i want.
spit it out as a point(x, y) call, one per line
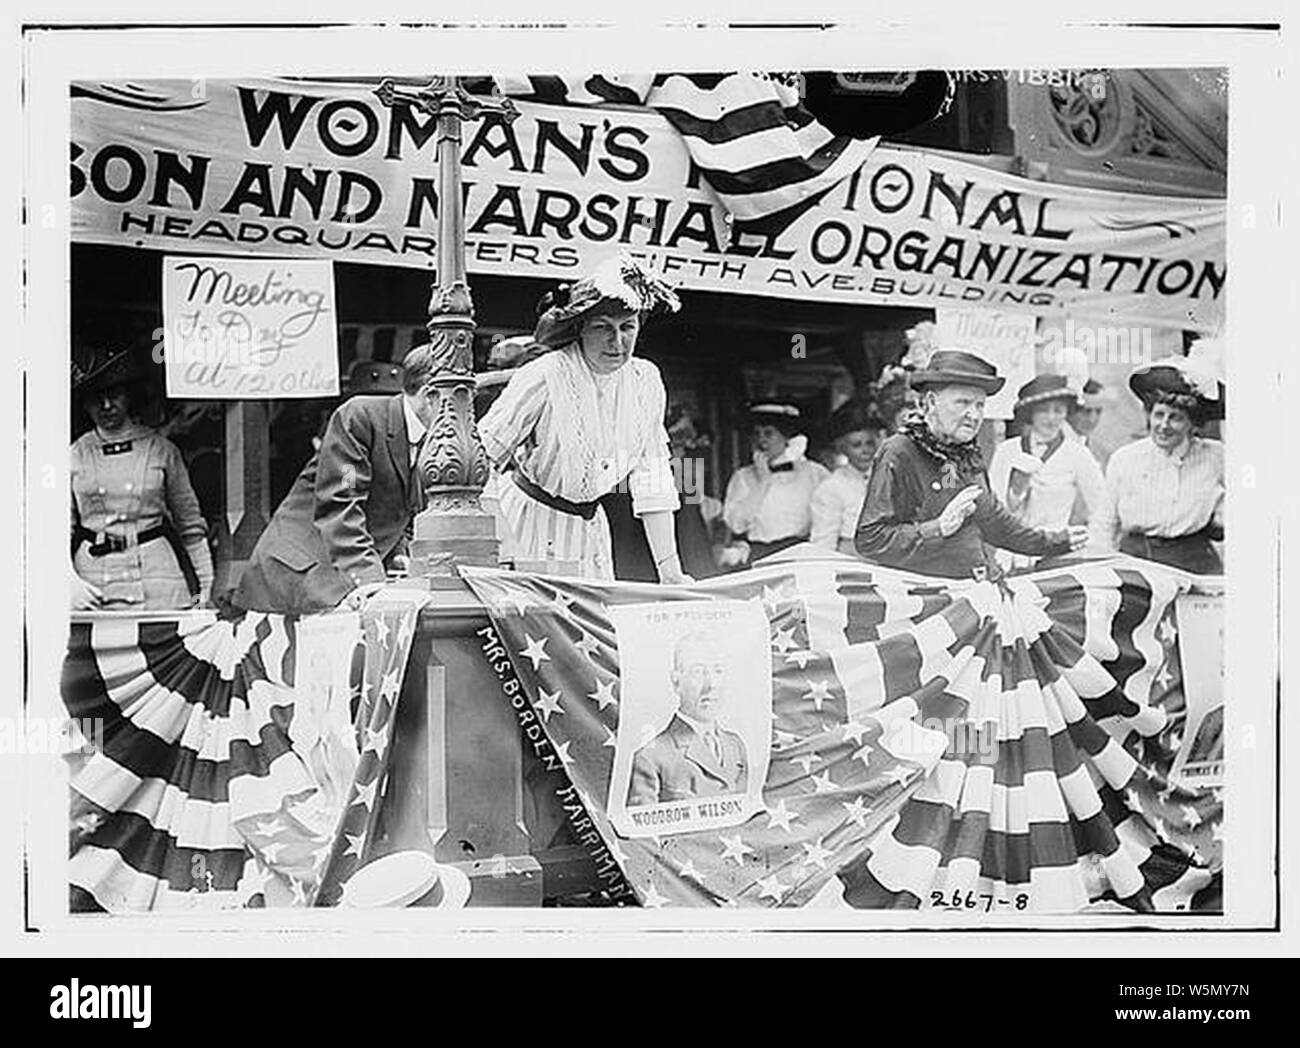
point(759, 550)
point(1209, 533)
point(114, 543)
point(120, 544)
point(1191, 552)
point(585, 510)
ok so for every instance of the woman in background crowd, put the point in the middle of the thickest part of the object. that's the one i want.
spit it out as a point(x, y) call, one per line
point(1166, 490)
point(1084, 414)
point(138, 536)
point(633, 561)
point(837, 501)
point(582, 419)
point(768, 505)
point(1039, 474)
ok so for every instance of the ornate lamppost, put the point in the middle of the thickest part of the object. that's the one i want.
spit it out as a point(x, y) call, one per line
point(453, 528)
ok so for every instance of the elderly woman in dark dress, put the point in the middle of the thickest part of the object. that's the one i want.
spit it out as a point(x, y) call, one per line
point(928, 507)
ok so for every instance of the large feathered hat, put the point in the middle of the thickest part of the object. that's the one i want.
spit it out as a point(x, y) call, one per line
point(1193, 383)
point(619, 284)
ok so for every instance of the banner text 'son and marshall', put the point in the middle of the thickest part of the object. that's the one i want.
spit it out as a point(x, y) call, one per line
point(318, 170)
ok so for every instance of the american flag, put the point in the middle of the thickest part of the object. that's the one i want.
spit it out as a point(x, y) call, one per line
point(203, 794)
point(389, 630)
point(762, 152)
point(1050, 695)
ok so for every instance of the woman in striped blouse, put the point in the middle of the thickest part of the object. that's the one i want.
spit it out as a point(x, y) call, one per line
point(582, 420)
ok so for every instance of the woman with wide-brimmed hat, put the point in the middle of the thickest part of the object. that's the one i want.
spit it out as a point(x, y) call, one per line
point(139, 540)
point(1039, 474)
point(1166, 490)
point(854, 433)
point(768, 504)
point(582, 419)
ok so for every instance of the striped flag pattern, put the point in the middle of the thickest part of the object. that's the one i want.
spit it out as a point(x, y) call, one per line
point(765, 156)
point(1046, 789)
point(388, 630)
point(200, 796)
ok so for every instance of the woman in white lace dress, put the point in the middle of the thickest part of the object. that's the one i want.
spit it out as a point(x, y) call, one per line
point(581, 420)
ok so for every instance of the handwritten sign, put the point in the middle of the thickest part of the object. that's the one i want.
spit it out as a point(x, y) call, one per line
point(1005, 340)
point(249, 329)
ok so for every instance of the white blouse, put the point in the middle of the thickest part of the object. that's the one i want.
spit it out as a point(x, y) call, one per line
point(1153, 492)
point(836, 507)
point(579, 435)
point(781, 510)
point(1053, 484)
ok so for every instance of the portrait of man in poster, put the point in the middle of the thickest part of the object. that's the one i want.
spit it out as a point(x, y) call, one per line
point(694, 755)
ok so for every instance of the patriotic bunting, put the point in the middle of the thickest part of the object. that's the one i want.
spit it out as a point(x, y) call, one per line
point(990, 748)
point(980, 747)
point(221, 779)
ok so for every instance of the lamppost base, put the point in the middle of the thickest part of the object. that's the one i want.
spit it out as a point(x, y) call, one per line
point(452, 531)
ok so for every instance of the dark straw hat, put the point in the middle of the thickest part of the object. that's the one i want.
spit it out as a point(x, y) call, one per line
point(1040, 389)
point(95, 367)
point(956, 367)
point(1093, 394)
point(849, 417)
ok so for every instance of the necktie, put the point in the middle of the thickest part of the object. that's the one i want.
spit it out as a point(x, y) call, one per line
point(715, 747)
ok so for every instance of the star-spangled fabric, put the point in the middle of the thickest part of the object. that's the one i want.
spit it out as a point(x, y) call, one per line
point(1071, 671)
point(388, 630)
point(201, 795)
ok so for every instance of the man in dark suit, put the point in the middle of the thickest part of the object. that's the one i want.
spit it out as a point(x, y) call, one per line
point(693, 756)
point(351, 508)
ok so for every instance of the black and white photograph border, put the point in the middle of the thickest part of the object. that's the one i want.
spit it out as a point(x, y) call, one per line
point(53, 59)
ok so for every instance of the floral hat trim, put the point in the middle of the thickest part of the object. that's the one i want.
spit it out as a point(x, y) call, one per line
point(621, 279)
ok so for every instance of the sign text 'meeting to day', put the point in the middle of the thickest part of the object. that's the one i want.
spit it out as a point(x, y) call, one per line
point(248, 329)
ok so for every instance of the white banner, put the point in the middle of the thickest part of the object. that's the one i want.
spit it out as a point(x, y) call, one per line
point(1005, 340)
point(315, 170)
point(249, 329)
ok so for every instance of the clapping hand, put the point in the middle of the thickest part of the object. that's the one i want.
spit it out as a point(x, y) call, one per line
point(955, 513)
